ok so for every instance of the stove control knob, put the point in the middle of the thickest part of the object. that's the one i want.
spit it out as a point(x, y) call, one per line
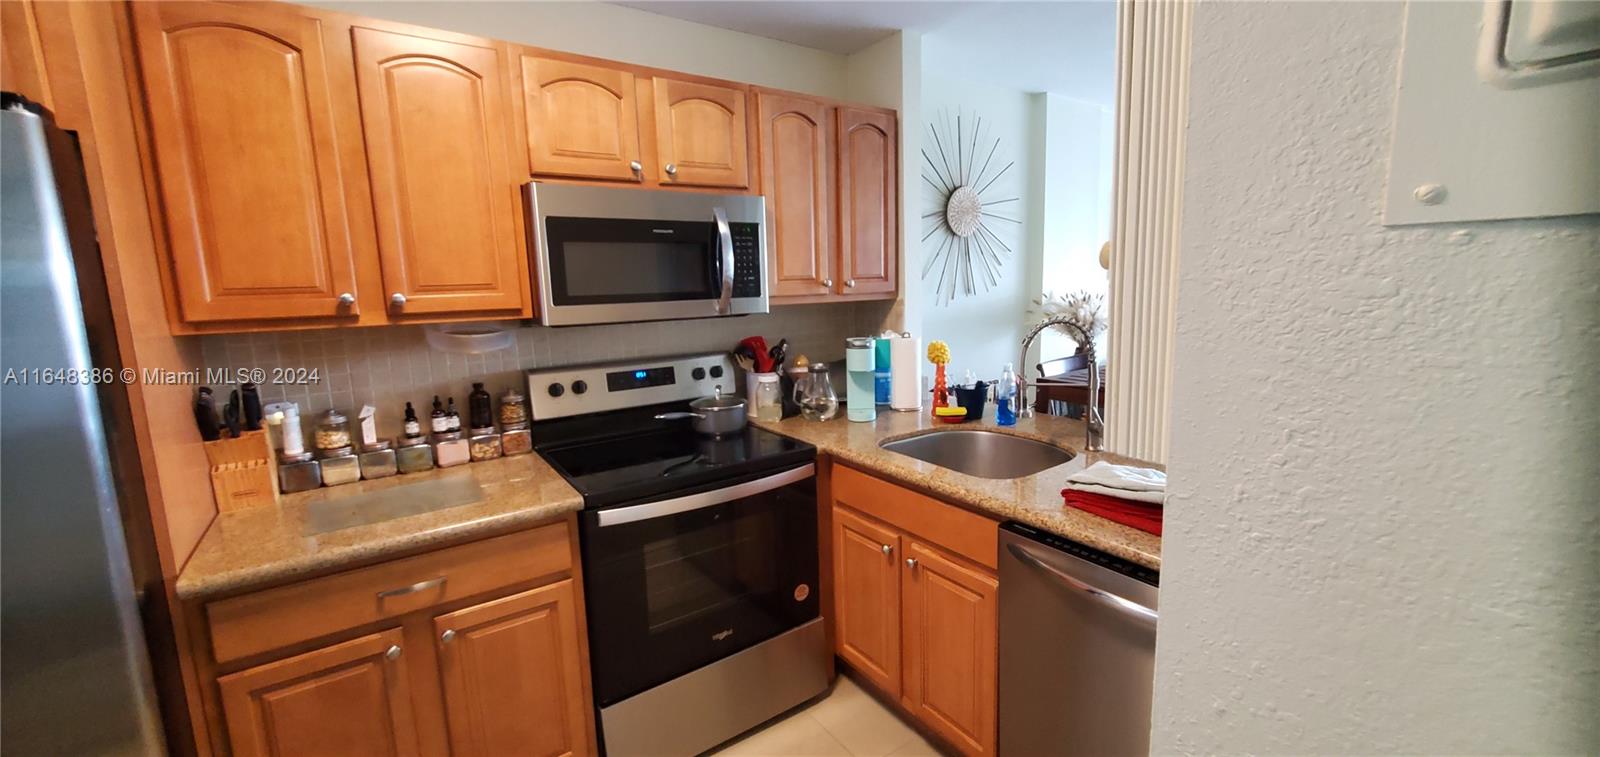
point(716, 371)
point(556, 389)
point(580, 386)
point(698, 374)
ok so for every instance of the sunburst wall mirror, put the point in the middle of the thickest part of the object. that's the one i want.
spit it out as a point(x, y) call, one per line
point(971, 219)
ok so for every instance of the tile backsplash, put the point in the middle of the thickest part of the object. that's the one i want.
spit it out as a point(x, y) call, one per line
point(387, 367)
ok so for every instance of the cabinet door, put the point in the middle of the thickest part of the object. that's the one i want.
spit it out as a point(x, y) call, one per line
point(869, 206)
point(583, 120)
point(244, 134)
point(346, 699)
point(796, 155)
point(513, 682)
point(437, 120)
point(701, 134)
point(952, 657)
point(866, 597)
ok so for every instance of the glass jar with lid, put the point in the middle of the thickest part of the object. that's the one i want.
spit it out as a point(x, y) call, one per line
point(768, 406)
point(516, 441)
point(378, 460)
point(414, 455)
point(340, 469)
point(332, 436)
point(513, 410)
point(484, 444)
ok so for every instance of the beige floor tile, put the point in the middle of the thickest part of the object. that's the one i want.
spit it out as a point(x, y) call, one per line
point(798, 735)
point(861, 723)
point(916, 747)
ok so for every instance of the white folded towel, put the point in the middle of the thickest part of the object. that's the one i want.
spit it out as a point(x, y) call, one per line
point(1125, 481)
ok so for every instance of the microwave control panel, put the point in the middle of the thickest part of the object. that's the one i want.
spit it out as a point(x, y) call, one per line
point(746, 259)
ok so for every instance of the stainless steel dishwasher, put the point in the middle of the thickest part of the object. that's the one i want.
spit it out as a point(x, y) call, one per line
point(1077, 648)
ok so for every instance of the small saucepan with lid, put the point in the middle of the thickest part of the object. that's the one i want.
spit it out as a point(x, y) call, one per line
point(716, 415)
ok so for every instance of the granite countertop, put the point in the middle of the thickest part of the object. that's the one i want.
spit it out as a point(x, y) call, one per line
point(1034, 500)
point(261, 546)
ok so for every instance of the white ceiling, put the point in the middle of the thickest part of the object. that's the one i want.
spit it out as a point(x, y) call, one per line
point(1063, 47)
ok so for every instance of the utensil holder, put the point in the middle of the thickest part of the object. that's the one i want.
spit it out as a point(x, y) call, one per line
point(244, 472)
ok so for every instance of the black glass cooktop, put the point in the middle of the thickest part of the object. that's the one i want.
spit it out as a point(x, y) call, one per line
point(636, 461)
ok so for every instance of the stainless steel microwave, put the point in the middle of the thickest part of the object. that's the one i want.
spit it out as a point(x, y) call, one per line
point(616, 255)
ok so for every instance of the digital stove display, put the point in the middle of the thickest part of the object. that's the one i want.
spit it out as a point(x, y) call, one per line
point(621, 381)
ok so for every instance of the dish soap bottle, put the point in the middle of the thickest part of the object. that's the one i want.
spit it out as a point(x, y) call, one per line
point(1005, 393)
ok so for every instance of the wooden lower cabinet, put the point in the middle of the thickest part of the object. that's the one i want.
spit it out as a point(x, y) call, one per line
point(350, 698)
point(867, 598)
point(916, 604)
point(475, 649)
point(950, 615)
point(511, 673)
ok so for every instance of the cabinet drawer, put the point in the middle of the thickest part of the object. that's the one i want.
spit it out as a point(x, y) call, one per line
point(957, 529)
point(274, 618)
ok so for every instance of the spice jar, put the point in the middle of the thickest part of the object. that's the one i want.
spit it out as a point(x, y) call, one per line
point(479, 410)
point(414, 455)
point(298, 473)
point(378, 460)
point(515, 441)
point(450, 449)
point(332, 436)
point(513, 410)
point(340, 469)
point(485, 444)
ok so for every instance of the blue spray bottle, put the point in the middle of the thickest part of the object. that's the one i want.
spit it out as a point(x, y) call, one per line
point(1005, 397)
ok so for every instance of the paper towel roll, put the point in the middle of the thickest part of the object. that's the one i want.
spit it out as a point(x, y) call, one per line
point(905, 373)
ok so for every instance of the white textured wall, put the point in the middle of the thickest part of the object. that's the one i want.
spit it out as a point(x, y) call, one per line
point(625, 34)
point(983, 330)
point(1384, 528)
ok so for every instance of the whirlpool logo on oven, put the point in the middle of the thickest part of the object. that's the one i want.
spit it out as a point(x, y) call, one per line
point(723, 634)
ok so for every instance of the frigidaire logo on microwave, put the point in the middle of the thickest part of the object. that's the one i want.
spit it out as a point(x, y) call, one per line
point(723, 634)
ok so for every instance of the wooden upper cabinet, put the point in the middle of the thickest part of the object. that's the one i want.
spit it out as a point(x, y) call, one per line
point(350, 698)
point(701, 134)
point(869, 205)
point(513, 682)
point(796, 156)
point(437, 120)
point(245, 140)
point(583, 120)
point(866, 597)
point(951, 647)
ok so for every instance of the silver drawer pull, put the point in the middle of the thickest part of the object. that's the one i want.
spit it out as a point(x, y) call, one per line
point(448, 636)
point(393, 653)
point(432, 583)
point(888, 550)
point(911, 562)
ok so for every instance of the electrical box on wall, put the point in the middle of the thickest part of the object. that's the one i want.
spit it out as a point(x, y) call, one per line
point(1499, 112)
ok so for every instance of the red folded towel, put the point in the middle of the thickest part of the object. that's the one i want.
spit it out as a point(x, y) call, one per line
point(1127, 512)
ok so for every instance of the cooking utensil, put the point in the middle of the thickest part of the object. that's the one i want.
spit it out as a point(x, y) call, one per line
point(205, 415)
point(778, 353)
point(230, 414)
point(745, 362)
point(716, 415)
point(758, 351)
point(251, 411)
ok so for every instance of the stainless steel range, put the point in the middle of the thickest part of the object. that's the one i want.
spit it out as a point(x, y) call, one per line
point(699, 554)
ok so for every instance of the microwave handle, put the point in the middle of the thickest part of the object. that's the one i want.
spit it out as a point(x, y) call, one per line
point(620, 515)
point(725, 242)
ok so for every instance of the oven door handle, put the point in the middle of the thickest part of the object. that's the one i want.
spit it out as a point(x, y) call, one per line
point(725, 243)
point(667, 507)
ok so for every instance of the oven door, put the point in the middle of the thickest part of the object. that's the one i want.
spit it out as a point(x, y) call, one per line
point(675, 584)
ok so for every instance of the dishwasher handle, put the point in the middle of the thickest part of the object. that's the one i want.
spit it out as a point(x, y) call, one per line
point(1120, 604)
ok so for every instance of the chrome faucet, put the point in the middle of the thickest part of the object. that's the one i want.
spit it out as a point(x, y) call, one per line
point(1094, 425)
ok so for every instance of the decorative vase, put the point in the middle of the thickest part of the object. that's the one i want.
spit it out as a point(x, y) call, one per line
point(940, 392)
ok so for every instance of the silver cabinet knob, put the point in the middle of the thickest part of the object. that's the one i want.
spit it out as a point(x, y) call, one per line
point(849, 282)
point(672, 169)
point(888, 550)
point(347, 299)
point(636, 166)
point(448, 636)
point(911, 562)
point(397, 299)
point(393, 653)
point(827, 283)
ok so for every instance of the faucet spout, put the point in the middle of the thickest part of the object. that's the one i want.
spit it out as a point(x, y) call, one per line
point(1094, 425)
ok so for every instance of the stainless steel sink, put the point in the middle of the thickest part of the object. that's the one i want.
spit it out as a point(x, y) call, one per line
point(984, 454)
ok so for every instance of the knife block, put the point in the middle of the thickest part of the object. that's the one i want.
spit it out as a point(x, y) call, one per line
point(244, 472)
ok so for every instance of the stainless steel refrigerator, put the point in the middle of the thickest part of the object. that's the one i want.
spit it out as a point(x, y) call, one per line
point(75, 552)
